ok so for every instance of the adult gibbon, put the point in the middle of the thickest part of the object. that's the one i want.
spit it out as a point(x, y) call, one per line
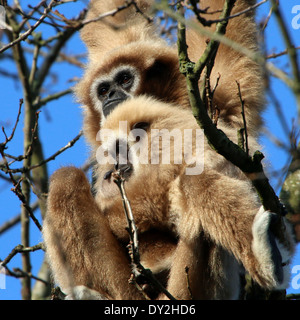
point(212, 228)
point(126, 47)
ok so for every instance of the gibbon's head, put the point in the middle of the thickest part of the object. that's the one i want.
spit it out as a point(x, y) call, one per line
point(143, 135)
point(136, 69)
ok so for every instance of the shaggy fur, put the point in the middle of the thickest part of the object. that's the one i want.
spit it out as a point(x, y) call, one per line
point(200, 221)
point(133, 41)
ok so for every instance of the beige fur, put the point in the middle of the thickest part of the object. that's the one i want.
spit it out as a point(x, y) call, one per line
point(136, 43)
point(182, 220)
point(202, 221)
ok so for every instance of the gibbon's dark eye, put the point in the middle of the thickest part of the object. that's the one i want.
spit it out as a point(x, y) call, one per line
point(141, 125)
point(125, 79)
point(103, 90)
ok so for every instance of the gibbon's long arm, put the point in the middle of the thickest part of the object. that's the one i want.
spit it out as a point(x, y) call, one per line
point(231, 66)
point(80, 245)
point(127, 25)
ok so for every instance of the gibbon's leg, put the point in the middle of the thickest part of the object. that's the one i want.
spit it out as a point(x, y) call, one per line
point(225, 209)
point(209, 272)
point(80, 245)
point(182, 281)
point(213, 273)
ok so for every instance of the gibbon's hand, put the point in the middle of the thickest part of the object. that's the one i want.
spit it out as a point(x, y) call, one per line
point(84, 293)
point(273, 255)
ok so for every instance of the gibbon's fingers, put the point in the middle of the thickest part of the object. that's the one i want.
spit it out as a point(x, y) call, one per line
point(80, 245)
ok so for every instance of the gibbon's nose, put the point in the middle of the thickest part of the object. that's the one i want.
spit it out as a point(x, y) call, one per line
point(114, 98)
point(115, 94)
point(111, 94)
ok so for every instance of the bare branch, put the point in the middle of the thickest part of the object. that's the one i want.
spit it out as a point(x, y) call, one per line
point(51, 97)
point(292, 52)
point(69, 145)
point(244, 118)
point(208, 23)
point(26, 34)
point(21, 249)
point(13, 221)
point(2, 145)
point(138, 269)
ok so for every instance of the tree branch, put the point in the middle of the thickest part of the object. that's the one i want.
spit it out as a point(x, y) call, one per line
point(291, 50)
point(251, 166)
point(26, 34)
point(138, 269)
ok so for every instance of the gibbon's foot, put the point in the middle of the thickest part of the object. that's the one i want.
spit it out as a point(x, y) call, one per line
point(274, 256)
point(84, 293)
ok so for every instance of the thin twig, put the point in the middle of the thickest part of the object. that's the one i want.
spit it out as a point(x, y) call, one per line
point(251, 166)
point(69, 145)
point(26, 34)
point(126, 5)
point(50, 98)
point(18, 191)
point(208, 23)
point(18, 273)
point(244, 118)
point(138, 269)
point(2, 145)
point(188, 282)
point(279, 54)
point(21, 249)
point(16, 219)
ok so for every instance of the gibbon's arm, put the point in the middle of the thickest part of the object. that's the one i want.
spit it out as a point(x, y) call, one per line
point(231, 66)
point(116, 30)
point(80, 246)
point(228, 213)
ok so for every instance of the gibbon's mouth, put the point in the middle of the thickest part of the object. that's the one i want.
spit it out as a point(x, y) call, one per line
point(110, 106)
point(108, 188)
point(126, 171)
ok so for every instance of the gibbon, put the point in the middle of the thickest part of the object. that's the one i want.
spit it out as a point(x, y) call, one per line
point(126, 47)
point(209, 222)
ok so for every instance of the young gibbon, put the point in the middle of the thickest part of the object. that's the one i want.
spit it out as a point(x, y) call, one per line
point(207, 220)
point(85, 236)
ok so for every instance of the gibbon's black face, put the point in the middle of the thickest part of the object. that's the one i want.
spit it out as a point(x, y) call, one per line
point(115, 88)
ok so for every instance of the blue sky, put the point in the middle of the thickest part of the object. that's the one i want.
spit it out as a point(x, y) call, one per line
point(60, 121)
